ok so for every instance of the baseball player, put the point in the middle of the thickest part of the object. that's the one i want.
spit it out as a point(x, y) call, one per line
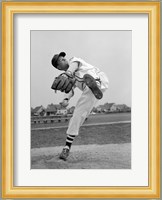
point(89, 79)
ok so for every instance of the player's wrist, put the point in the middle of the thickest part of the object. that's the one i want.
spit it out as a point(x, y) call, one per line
point(69, 74)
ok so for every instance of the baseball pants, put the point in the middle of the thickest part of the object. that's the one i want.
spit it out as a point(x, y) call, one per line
point(83, 108)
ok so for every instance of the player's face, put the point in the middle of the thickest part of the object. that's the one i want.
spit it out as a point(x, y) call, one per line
point(62, 63)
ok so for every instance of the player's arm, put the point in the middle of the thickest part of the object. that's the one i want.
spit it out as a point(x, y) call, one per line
point(71, 70)
point(70, 94)
point(67, 97)
point(65, 83)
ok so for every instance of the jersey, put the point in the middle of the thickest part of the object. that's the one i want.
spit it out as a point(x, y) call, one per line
point(85, 68)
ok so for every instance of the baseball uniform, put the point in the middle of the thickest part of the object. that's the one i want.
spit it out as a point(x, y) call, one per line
point(87, 100)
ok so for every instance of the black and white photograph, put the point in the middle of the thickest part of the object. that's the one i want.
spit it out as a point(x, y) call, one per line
point(81, 98)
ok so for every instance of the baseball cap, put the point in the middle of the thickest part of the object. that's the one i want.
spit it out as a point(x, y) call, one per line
point(55, 58)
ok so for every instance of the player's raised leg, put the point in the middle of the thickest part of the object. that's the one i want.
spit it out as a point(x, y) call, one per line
point(92, 84)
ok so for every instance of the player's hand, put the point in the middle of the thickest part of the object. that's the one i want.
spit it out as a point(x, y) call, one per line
point(64, 82)
point(64, 103)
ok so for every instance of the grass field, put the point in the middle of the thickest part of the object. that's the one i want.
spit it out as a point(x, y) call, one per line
point(103, 134)
point(97, 146)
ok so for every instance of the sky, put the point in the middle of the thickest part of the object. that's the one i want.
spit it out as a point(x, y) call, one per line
point(110, 51)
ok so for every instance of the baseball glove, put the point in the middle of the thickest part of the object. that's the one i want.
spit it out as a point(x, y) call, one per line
point(64, 83)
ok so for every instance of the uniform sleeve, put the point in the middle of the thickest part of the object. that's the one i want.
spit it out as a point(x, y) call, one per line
point(73, 66)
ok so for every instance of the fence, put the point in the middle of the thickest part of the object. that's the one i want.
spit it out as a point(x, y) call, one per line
point(50, 119)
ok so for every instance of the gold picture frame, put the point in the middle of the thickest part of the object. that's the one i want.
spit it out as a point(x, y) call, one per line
point(9, 9)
